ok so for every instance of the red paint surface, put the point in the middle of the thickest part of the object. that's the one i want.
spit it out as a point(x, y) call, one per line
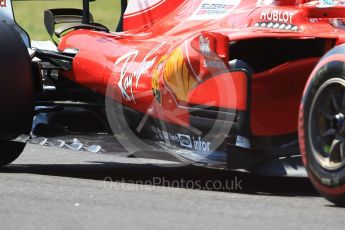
point(275, 94)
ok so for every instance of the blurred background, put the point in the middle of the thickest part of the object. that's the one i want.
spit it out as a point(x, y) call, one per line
point(29, 14)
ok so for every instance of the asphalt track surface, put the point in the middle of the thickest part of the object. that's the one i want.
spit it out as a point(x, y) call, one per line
point(49, 188)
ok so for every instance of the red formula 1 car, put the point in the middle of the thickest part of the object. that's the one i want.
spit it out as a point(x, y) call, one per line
point(230, 84)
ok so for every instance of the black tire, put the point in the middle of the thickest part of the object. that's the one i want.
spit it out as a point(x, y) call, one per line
point(16, 93)
point(10, 151)
point(319, 129)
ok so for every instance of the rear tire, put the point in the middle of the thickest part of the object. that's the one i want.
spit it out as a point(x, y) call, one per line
point(16, 93)
point(10, 151)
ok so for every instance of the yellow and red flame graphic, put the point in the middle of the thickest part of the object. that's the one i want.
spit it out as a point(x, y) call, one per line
point(176, 75)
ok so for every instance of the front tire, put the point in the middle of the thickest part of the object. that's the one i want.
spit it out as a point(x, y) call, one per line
point(322, 127)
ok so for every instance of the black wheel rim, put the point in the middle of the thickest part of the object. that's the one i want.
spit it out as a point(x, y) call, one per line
point(327, 124)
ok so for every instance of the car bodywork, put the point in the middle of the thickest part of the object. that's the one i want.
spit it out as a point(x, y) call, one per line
point(210, 82)
point(178, 68)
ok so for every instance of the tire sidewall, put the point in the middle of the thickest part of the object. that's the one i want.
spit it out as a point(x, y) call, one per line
point(329, 183)
point(16, 93)
point(16, 85)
